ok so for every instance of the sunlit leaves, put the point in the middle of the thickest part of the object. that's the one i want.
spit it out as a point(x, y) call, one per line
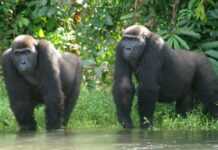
point(200, 11)
point(40, 33)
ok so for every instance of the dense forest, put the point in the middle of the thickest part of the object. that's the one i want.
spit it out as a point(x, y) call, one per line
point(92, 28)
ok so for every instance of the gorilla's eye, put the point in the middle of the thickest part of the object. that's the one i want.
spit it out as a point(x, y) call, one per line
point(22, 52)
point(128, 49)
point(26, 52)
point(17, 53)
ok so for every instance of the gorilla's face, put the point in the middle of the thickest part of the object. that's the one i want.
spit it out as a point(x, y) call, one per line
point(24, 53)
point(25, 59)
point(133, 48)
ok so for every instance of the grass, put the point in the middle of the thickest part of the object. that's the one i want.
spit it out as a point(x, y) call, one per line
point(95, 109)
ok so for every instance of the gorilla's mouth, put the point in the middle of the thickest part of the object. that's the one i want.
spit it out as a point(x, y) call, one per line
point(24, 68)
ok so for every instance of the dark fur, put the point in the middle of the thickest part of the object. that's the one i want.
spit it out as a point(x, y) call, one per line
point(55, 83)
point(163, 74)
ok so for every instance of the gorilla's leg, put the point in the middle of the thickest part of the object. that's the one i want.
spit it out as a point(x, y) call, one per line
point(23, 112)
point(206, 86)
point(124, 111)
point(123, 100)
point(146, 106)
point(53, 113)
point(70, 101)
point(184, 105)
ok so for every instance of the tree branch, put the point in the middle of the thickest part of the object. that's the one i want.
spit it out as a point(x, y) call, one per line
point(174, 12)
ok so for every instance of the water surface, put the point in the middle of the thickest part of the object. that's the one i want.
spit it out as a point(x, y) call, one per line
point(111, 140)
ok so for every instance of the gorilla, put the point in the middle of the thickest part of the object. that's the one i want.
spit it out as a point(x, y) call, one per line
point(36, 73)
point(162, 74)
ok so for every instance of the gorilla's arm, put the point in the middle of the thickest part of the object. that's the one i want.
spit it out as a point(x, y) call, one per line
point(123, 90)
point(50, 84)
point(148, 74)
point(19, 95)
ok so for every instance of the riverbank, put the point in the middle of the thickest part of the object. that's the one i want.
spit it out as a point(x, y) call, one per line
point(95, 109)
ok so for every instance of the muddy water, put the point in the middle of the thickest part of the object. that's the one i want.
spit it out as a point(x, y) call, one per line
point(111, 140)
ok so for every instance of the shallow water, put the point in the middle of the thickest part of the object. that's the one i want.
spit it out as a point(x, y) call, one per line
point(111, 140)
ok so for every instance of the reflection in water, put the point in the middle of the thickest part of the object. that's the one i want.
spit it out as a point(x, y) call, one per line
point(112, 140)
point(179, 140)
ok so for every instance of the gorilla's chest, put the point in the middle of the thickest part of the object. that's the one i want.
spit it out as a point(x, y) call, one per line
point(31, 79)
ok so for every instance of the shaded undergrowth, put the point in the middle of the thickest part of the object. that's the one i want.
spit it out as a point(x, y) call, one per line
point(95, 109)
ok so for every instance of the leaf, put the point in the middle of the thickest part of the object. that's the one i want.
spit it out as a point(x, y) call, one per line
point(166, 36)
point(188, 32)
point(170, 42)
point(41, 33)
point(212, 53)
point(42, 11)
point(182, 42)
point(211, 2)
point(25, 21)
point(109, 21)
point(209, 45)
point(192, 3)
point(175, 44)
point(98, 72)
point(128, 16)
point(88, 63)
point(213, 56)
point(213, 14)
point(43, 2)
point(214, 33)
point(51, 23)
point(200, 11)
point(22, 21)
point(51, 11)
point(215, 64)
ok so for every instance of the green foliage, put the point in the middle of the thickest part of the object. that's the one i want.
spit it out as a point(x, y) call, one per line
point(92, 28)
point(194, 26)
point(40, 18)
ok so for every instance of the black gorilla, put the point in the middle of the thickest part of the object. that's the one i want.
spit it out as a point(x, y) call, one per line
point(162, 73)
point(35, 72)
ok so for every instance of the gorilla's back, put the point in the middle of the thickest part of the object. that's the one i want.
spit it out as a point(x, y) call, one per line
point(178, 71)
point(70, 70)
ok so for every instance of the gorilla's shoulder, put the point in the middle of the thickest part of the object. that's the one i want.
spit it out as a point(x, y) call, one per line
point(46, 47)
point(6, 55)
point(71, 57)
point(7, 52)
point(45, 44)
point(68, 54)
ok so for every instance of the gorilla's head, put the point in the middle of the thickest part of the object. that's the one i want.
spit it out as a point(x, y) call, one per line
point(133, 43)
point(24, 53)
point(136, 41)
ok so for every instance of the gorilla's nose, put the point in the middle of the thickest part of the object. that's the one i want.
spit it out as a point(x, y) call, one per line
point(23, 62)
